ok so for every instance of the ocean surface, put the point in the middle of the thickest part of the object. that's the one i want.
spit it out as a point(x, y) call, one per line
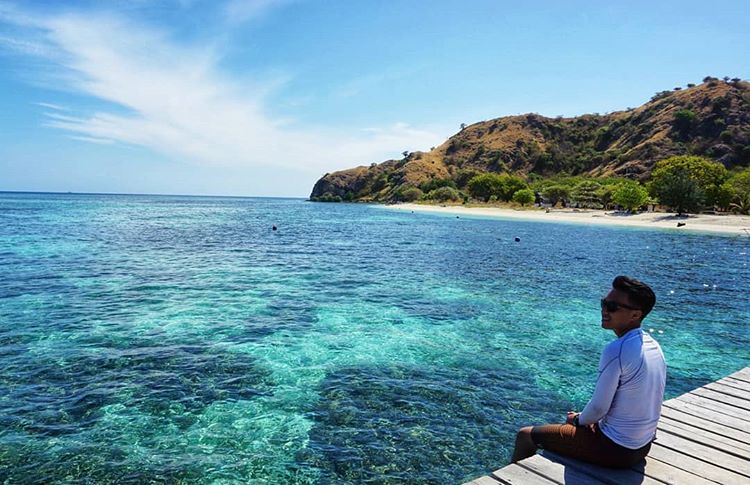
point(181, 339)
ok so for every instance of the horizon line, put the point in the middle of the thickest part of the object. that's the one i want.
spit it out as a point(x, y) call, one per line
point(150, 194)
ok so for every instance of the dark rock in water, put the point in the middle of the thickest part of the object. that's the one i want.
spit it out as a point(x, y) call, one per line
point(518, 239)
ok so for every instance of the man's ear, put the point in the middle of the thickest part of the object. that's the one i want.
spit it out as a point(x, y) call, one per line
point(636, 316)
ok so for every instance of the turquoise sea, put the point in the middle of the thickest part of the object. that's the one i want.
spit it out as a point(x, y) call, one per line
point(180, 339)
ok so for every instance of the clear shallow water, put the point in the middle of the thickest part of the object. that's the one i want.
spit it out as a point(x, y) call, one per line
point(180, 339)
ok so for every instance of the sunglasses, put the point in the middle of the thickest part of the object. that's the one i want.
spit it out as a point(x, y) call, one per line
point(613, 306)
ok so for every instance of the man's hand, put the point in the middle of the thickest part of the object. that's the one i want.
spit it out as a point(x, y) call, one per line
point(571, 416)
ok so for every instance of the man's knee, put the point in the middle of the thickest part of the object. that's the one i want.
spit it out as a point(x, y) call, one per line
point(524, 434)
point(525, 431)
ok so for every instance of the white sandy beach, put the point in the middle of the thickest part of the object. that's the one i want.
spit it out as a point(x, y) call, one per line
point(725, 224)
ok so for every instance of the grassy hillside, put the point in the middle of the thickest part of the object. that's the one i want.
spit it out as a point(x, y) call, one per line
point(711, 119)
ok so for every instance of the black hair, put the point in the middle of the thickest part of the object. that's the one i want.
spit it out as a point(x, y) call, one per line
point(639, 293)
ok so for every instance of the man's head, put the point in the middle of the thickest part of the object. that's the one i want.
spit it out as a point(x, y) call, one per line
point(626, 305)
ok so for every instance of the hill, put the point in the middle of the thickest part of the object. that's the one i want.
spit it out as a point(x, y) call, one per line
point(711, 119)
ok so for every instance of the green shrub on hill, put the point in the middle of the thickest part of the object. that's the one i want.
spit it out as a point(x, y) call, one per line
point(407, 193)
point(524, 196)
point(740, 182)
point(485, 186)
point(687, 183)
point(586, 194)
point(328, 197)
point(556, 193)
point(678, 190)
point(511, 185)
point(501, 186)
point(724, 196)
point(436, 183)
point(684, 121)
point(605, 194)
point(630, 195)
point(463, 176)
point(741, 205)
point(444, 194)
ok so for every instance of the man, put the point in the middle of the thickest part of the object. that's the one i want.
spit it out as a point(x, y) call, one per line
point(617, 426)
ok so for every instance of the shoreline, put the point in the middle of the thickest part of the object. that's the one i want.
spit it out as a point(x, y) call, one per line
point(730, 224)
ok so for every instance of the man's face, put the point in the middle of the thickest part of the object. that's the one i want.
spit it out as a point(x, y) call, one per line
point(624, 317)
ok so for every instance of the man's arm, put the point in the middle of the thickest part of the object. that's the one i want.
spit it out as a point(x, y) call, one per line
point(604, 393)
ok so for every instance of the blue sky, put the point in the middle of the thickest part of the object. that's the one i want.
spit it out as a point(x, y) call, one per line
point(262, 97)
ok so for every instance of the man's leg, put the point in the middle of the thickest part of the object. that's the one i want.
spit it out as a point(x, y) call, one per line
point(525, 446)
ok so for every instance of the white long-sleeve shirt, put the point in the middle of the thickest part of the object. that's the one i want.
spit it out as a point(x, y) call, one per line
point(629, 391)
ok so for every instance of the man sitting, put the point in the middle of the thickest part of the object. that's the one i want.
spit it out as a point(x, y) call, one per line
point(617, 426)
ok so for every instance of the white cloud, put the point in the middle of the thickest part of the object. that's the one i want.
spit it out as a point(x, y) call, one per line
point(88, 139)
point(174, 99)
point(54, 106)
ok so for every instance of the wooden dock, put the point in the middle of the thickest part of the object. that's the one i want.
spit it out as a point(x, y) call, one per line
point(703, 438)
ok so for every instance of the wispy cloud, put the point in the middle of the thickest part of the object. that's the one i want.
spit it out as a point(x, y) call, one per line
point(54, 106)
point(173, 97)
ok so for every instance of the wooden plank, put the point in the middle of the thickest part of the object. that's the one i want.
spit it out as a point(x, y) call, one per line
point(514, 474)
point(735, 384)
point(557, 472)
point(727, 445)
point(673, 416)
point(703, 438)
point(706, 453)
point(667, 473)
point(742, 379)
point(719, 407)
point(724, 398)
point(703, 469)
point(741, 375)
point(731, 390)
point(483, 481)
point(612, 476)
point(709, 414)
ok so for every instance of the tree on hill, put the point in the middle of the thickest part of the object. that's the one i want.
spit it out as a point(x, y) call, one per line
point(556, 193)
point(740, 182)
point(687, 182)
point(741, 204)
point(630, 195)
point(605, 194)
point(407, 193)
point(436, 183)
point(585, 194)
point(684, 121)
point(678, 190)
point(511, 185)
point(524, 196)
point(463, 176)
point(444, 194)
point(485, 186)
